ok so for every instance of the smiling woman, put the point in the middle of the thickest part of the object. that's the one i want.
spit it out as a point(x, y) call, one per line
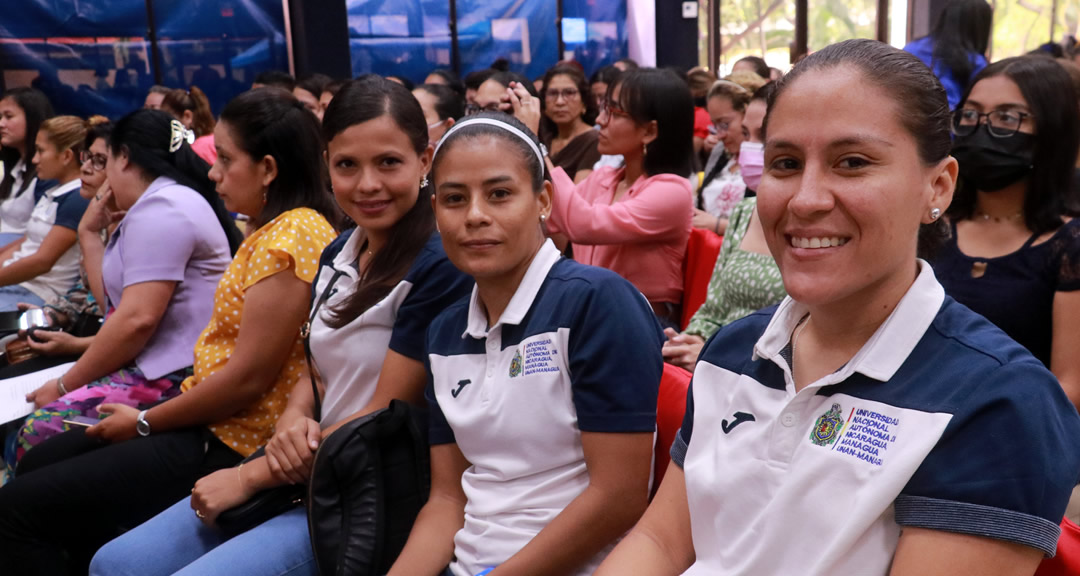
point(867, 384)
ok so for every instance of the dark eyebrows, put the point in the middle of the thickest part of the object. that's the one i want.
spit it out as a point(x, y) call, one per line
point(501, 179)
point(1005, 106)
point(857, 140)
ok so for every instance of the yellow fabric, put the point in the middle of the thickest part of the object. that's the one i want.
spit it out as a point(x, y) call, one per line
point(292, 241)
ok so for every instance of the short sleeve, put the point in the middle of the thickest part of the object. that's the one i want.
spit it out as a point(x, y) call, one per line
point(615, 360)
point(157, 243)
point(1067, 251)
point(296, 242)
point(682, 438)
point(439, 431)
point(436, 284)
point(1005, 466)
point(69, 210)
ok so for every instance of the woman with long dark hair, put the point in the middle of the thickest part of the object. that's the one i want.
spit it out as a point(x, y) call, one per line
point(246, 361)
point(1013, 252)
point(636, 220)
point(956, 47)
point(22, 110)
point(386, 281)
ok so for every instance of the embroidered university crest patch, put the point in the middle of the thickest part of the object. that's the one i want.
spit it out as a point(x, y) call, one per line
point(515, 365)
point(827, 427)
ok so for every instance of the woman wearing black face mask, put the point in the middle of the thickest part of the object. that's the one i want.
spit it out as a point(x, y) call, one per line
point(1014, 255)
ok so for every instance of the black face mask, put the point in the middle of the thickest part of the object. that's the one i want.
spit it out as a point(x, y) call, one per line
point(991, 163)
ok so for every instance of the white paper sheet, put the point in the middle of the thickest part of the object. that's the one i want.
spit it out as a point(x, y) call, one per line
point(13, 391)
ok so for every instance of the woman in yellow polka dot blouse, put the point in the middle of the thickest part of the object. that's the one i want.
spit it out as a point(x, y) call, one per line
point(271, 169)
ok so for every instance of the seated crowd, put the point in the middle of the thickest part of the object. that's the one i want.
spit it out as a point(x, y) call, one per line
point(884, 370)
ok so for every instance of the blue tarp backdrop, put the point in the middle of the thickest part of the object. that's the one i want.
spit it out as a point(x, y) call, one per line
point(97, 57)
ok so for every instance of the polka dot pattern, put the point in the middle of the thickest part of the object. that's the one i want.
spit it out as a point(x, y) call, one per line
point(292, 241)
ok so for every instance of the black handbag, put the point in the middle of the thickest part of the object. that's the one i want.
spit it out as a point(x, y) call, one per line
point(271, 502)
point(368, 482)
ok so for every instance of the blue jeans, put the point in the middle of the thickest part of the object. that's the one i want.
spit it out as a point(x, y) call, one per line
point(177, 543)
point(10, 296)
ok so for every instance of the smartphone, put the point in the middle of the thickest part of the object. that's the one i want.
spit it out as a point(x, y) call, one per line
point(83, 421)
point(33, 318)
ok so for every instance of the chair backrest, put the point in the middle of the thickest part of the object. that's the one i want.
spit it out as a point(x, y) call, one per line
point(1067, 560)
point(670, 407)
point(701, 253)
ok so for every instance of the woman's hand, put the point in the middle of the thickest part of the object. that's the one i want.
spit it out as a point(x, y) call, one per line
point(704, 220)
point(292, 450)
point(47, 393)
point(218, 492)
point(55, 343)
point(118, 427)
point(523, 106)
point(101, 212)
point(682, 350)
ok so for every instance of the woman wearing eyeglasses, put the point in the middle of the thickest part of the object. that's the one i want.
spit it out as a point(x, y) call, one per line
point(635, 220)
point(567, 126)
point(1014, 255)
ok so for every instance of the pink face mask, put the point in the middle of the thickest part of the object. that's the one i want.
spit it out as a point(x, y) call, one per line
point(752, 163)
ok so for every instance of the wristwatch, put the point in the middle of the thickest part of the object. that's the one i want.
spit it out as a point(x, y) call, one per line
point(141, 425)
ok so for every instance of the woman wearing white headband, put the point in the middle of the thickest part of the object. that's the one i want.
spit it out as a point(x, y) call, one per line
point(542, 386)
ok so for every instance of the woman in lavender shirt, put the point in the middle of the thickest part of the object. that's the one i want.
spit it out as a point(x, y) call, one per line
point(159, 271)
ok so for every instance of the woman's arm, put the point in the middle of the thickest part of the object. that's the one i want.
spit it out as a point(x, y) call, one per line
point(1064, 359)
point(923, 552)
point(56, 243)
point(120, 340)
point(9, 250)
point(653, 212)
point(273, 311)
point(617, 495)
point(661, 543)
point(431, 542)
point(99, 215)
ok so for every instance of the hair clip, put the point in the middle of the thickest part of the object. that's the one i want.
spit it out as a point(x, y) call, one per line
point(178, 135)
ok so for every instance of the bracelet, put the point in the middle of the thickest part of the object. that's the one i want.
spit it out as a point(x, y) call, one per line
point(239, 477)
point(60, 385)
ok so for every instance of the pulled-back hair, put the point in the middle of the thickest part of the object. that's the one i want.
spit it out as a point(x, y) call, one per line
point(193, 100)
point(36, 109)
point(448, 103)
point(1050, 95)
point(738, 95)
point(145, 136)
point(270, 122)
point(649, 94)
point(468, 131)
point(921, 104)
point(761, 68)
point(547, 126)
point(314, 84)
point(97, 127)
point(361, 101)
point(69, 132)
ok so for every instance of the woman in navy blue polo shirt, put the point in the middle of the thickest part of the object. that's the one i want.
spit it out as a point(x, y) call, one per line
point(542, 385)
point(870, 424)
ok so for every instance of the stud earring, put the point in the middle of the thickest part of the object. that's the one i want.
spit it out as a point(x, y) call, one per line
point(543, 218)
point(935, 213)
point(424, 182)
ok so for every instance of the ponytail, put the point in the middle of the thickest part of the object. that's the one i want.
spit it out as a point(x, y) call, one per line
point(146, 136)
point(191, 100)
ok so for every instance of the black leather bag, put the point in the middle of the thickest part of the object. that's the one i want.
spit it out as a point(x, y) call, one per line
point(369, 480)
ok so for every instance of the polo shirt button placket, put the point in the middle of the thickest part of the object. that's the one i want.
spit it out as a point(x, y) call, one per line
point(789, 419)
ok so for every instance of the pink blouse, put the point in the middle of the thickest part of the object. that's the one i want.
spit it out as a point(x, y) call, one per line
point(204, 148)
point(642, 237)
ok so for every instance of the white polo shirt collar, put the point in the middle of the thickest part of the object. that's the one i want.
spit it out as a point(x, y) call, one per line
point(886, 350)
point(58, 191)
point(523, 298)
point(345, 260)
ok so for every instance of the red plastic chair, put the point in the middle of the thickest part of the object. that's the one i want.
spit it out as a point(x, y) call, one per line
point(670, 408)
point(1067, 560)
point(701, 253)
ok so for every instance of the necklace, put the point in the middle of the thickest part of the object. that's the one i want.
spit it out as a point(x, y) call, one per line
point(985, 217)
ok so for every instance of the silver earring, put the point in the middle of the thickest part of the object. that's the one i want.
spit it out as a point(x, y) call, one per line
point(644, 149)
point(935, 213)
point(424, 182)
point(543, 218)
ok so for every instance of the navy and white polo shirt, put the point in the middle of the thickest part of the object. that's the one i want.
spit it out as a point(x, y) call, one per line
point(940, 421)
point(577, 350)
point(61, 206)
point(350, 358)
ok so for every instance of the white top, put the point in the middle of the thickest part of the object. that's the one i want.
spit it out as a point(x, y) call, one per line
point(350, 358)
point(940, 421)
point(577, 349)
point(65, 273)
point(16, 209)
point(725, 191)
